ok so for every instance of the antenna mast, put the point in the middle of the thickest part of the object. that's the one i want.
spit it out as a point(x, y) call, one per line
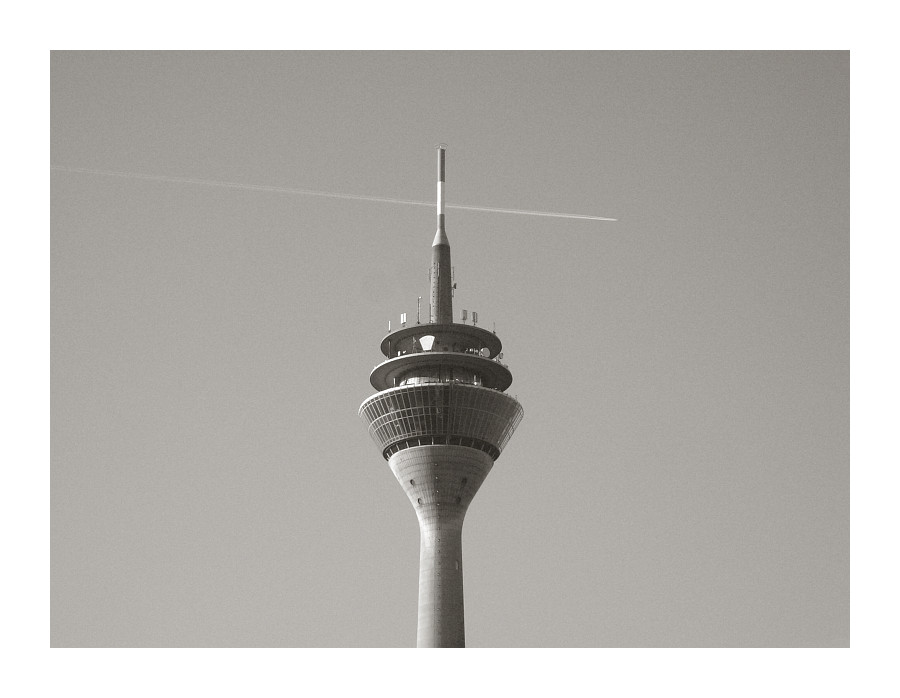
point(441, 270)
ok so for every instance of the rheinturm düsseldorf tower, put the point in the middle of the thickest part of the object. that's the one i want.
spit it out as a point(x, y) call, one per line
point(441, 418)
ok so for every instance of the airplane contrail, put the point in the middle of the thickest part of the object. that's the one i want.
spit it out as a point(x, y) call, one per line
point(310, 192)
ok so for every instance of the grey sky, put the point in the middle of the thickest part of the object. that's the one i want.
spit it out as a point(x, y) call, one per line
point(681, 475)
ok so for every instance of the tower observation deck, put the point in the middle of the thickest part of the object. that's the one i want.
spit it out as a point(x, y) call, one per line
point(441, 418)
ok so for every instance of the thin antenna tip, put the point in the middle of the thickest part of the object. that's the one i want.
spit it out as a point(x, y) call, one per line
point(441, 146)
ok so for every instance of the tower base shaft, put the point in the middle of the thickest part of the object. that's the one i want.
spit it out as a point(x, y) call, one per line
point(441, 613)
point(441, 481)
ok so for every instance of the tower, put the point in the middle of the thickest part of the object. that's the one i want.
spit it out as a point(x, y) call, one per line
point(441, 418)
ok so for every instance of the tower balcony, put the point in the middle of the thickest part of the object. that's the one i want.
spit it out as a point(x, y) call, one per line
point(451, 336)
point(442, 366)
point(441, 413)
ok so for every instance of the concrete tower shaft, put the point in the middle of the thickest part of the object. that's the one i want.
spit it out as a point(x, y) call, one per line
point(440, 482)
point(441, 418)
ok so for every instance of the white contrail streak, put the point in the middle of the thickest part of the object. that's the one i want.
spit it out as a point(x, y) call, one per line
point(310, 192)
point(531, 213)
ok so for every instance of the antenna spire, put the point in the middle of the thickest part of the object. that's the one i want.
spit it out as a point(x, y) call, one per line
point(441, 271)
point(441, 237)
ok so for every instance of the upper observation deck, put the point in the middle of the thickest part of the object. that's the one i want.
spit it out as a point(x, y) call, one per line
point(453, 336)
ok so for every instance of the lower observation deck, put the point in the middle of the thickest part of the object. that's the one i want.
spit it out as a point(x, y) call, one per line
point(390, 373)
point(441, 413)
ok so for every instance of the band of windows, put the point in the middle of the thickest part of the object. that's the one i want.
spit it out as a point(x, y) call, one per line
point(451, 412)
point(490, 449)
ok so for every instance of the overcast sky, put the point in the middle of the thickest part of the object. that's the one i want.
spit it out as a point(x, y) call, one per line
point(681, 476)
